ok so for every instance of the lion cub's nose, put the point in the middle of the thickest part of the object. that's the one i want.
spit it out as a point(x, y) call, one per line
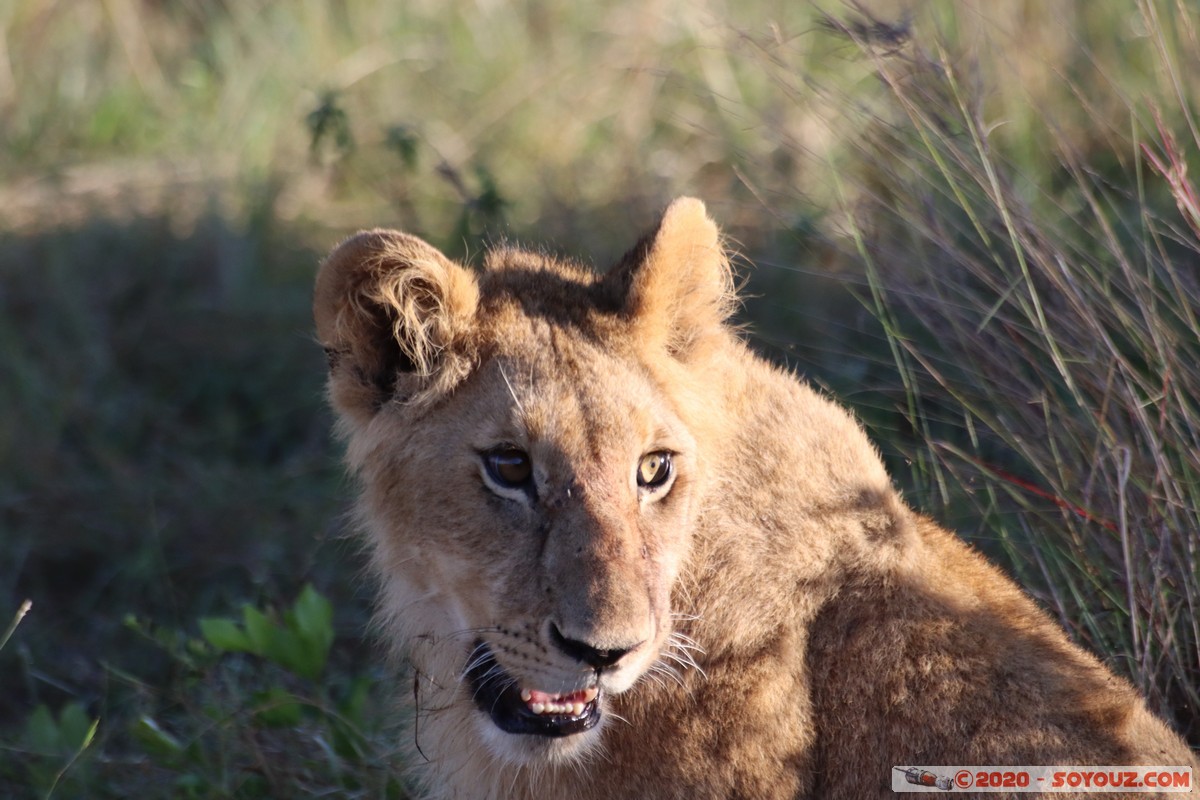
point(595, 657)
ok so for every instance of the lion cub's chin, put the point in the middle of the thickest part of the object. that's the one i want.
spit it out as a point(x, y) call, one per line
point(527, 750)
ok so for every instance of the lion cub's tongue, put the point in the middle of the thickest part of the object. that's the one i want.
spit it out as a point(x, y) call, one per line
point(545, 703)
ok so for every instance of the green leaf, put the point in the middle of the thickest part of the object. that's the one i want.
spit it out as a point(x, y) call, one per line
point(90, 735)
point(259, 629)
point(158, 743)
point(355, 703)
point(490, 202)
point(75, 728)
point(225, 635)
point(403, 141)
point(197, 647)
point(329, 120)
point(302, 644)
point(192, 785)
point(313, 616)
point(276, 708)
point(288, 650)
point(41, 732)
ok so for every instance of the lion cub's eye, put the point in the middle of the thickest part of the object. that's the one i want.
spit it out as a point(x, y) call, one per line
point(654, 470)
point(509, 467)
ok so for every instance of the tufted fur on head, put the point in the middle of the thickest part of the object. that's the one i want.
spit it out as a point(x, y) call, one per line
point(395, 317)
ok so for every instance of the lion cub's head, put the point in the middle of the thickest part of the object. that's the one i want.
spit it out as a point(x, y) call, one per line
point(524, 439)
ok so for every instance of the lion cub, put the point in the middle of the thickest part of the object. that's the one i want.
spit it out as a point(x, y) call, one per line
point(627, 558)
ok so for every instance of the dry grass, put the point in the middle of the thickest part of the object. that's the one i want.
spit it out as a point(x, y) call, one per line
point(1044, 326)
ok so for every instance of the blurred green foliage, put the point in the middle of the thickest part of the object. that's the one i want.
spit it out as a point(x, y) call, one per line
point(299, 643)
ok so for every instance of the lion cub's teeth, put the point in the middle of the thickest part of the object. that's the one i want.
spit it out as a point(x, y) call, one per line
point(574, 703)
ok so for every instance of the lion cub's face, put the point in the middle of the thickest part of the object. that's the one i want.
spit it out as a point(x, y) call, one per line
point(528, 479)
point(556, 486)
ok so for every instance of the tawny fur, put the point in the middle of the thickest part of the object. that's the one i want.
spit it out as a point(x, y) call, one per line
point(797, 630)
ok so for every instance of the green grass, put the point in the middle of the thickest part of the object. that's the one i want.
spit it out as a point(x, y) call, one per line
point(1045, 328)
point(989, 250)
point(166, 456)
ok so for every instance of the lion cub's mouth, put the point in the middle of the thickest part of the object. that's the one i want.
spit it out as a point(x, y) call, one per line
point(517, 709)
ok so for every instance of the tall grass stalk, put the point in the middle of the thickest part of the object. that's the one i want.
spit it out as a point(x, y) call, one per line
point(1052, 321)
point(16, 620)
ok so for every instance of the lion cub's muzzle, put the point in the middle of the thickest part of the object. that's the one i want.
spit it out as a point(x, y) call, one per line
point(517, 708)
point(521, 709)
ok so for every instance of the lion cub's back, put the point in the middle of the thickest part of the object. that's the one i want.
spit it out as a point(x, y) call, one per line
point(951, 664)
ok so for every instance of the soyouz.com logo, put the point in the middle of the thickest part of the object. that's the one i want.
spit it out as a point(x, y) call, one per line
point(1042, 779)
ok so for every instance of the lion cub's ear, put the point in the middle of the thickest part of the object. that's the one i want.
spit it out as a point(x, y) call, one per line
point(676, 285)
point(394, 316)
